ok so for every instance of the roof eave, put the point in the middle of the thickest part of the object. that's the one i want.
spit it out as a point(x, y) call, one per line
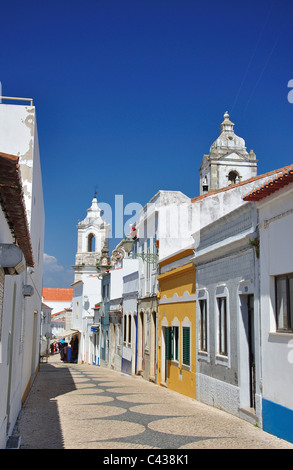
point(12, 202)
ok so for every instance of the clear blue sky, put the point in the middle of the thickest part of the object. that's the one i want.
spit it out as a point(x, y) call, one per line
point(130, 94)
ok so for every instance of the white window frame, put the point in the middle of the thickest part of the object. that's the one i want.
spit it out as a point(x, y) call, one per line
point(186, 324)
point(129, 330)
point(222, 292)
point(176, 324)
point(203, 294)
point(287, 307)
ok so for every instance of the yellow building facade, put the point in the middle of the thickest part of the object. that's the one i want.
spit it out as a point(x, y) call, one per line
point(177, 324)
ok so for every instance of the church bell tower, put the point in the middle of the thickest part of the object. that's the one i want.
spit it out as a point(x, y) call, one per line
point(92, 237)
point(228, 161)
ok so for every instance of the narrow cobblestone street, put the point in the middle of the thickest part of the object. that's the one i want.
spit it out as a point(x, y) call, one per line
point(78, 406)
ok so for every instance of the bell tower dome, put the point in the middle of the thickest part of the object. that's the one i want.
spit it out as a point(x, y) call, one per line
point(228, 161)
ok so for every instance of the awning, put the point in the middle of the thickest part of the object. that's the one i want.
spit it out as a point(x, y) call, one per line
point(68, 333)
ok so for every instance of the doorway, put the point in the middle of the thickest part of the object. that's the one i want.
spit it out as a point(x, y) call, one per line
point(140, 344)
point(153, 345)
point(164, 361)
point(251, 349)
point(247, 353)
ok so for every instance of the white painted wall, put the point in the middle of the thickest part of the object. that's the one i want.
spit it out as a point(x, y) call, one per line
point(91, 290)
point(236, 163)
point(215, 205)
point(18, 136)
point(116, 284)
point(86, 294)
point(77, 305)
point(58, 305)
point(170, 218)
point(11, 353)
point(130, 290)
point(276, 237)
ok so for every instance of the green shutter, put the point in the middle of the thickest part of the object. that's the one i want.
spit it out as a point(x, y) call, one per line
point(176, 341)
point(186, 346)
point(169, 343)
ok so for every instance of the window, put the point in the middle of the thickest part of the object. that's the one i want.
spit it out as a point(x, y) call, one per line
point(205, 184)
point(284, 302)
point(105, 293)
point(108, 292)
point(124, 328)
point(148, 266)
point(203, 346)
point(186, 346)
point(168, 343)
point(175, 343)
point(134, 249)
point(129, 329)
point(172, 343)
point(222, 309)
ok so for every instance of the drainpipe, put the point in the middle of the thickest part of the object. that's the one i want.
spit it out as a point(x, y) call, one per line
point(258, 305)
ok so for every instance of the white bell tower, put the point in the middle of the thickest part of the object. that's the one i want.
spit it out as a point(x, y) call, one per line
point(92, 240)
point(228, 161)
point(92, 236)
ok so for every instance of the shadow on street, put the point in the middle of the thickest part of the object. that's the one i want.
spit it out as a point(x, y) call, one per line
point(39, 420)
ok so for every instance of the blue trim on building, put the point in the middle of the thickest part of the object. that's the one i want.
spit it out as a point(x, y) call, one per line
point(126, 366)
point(277, 420)
point(96, 360)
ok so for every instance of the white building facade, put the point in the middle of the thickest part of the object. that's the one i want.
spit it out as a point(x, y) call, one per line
point(274, 201)
point(228, 318)
point(164, 227)
point(22, 295)
point(116, 313)
point(92, 237)
point(130, 291)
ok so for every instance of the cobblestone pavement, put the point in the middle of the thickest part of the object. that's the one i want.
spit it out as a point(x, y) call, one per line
point(79, 406)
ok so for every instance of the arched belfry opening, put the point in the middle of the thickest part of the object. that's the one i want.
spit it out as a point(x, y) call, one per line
point(91, 245)
point(233, 177)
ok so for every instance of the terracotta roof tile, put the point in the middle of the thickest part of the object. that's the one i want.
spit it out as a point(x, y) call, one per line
point(284, 176)
point(57, 294)
point(242, 183)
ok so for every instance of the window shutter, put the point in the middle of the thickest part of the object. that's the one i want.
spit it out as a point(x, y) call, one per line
point(169, 343)
point(186, 346)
